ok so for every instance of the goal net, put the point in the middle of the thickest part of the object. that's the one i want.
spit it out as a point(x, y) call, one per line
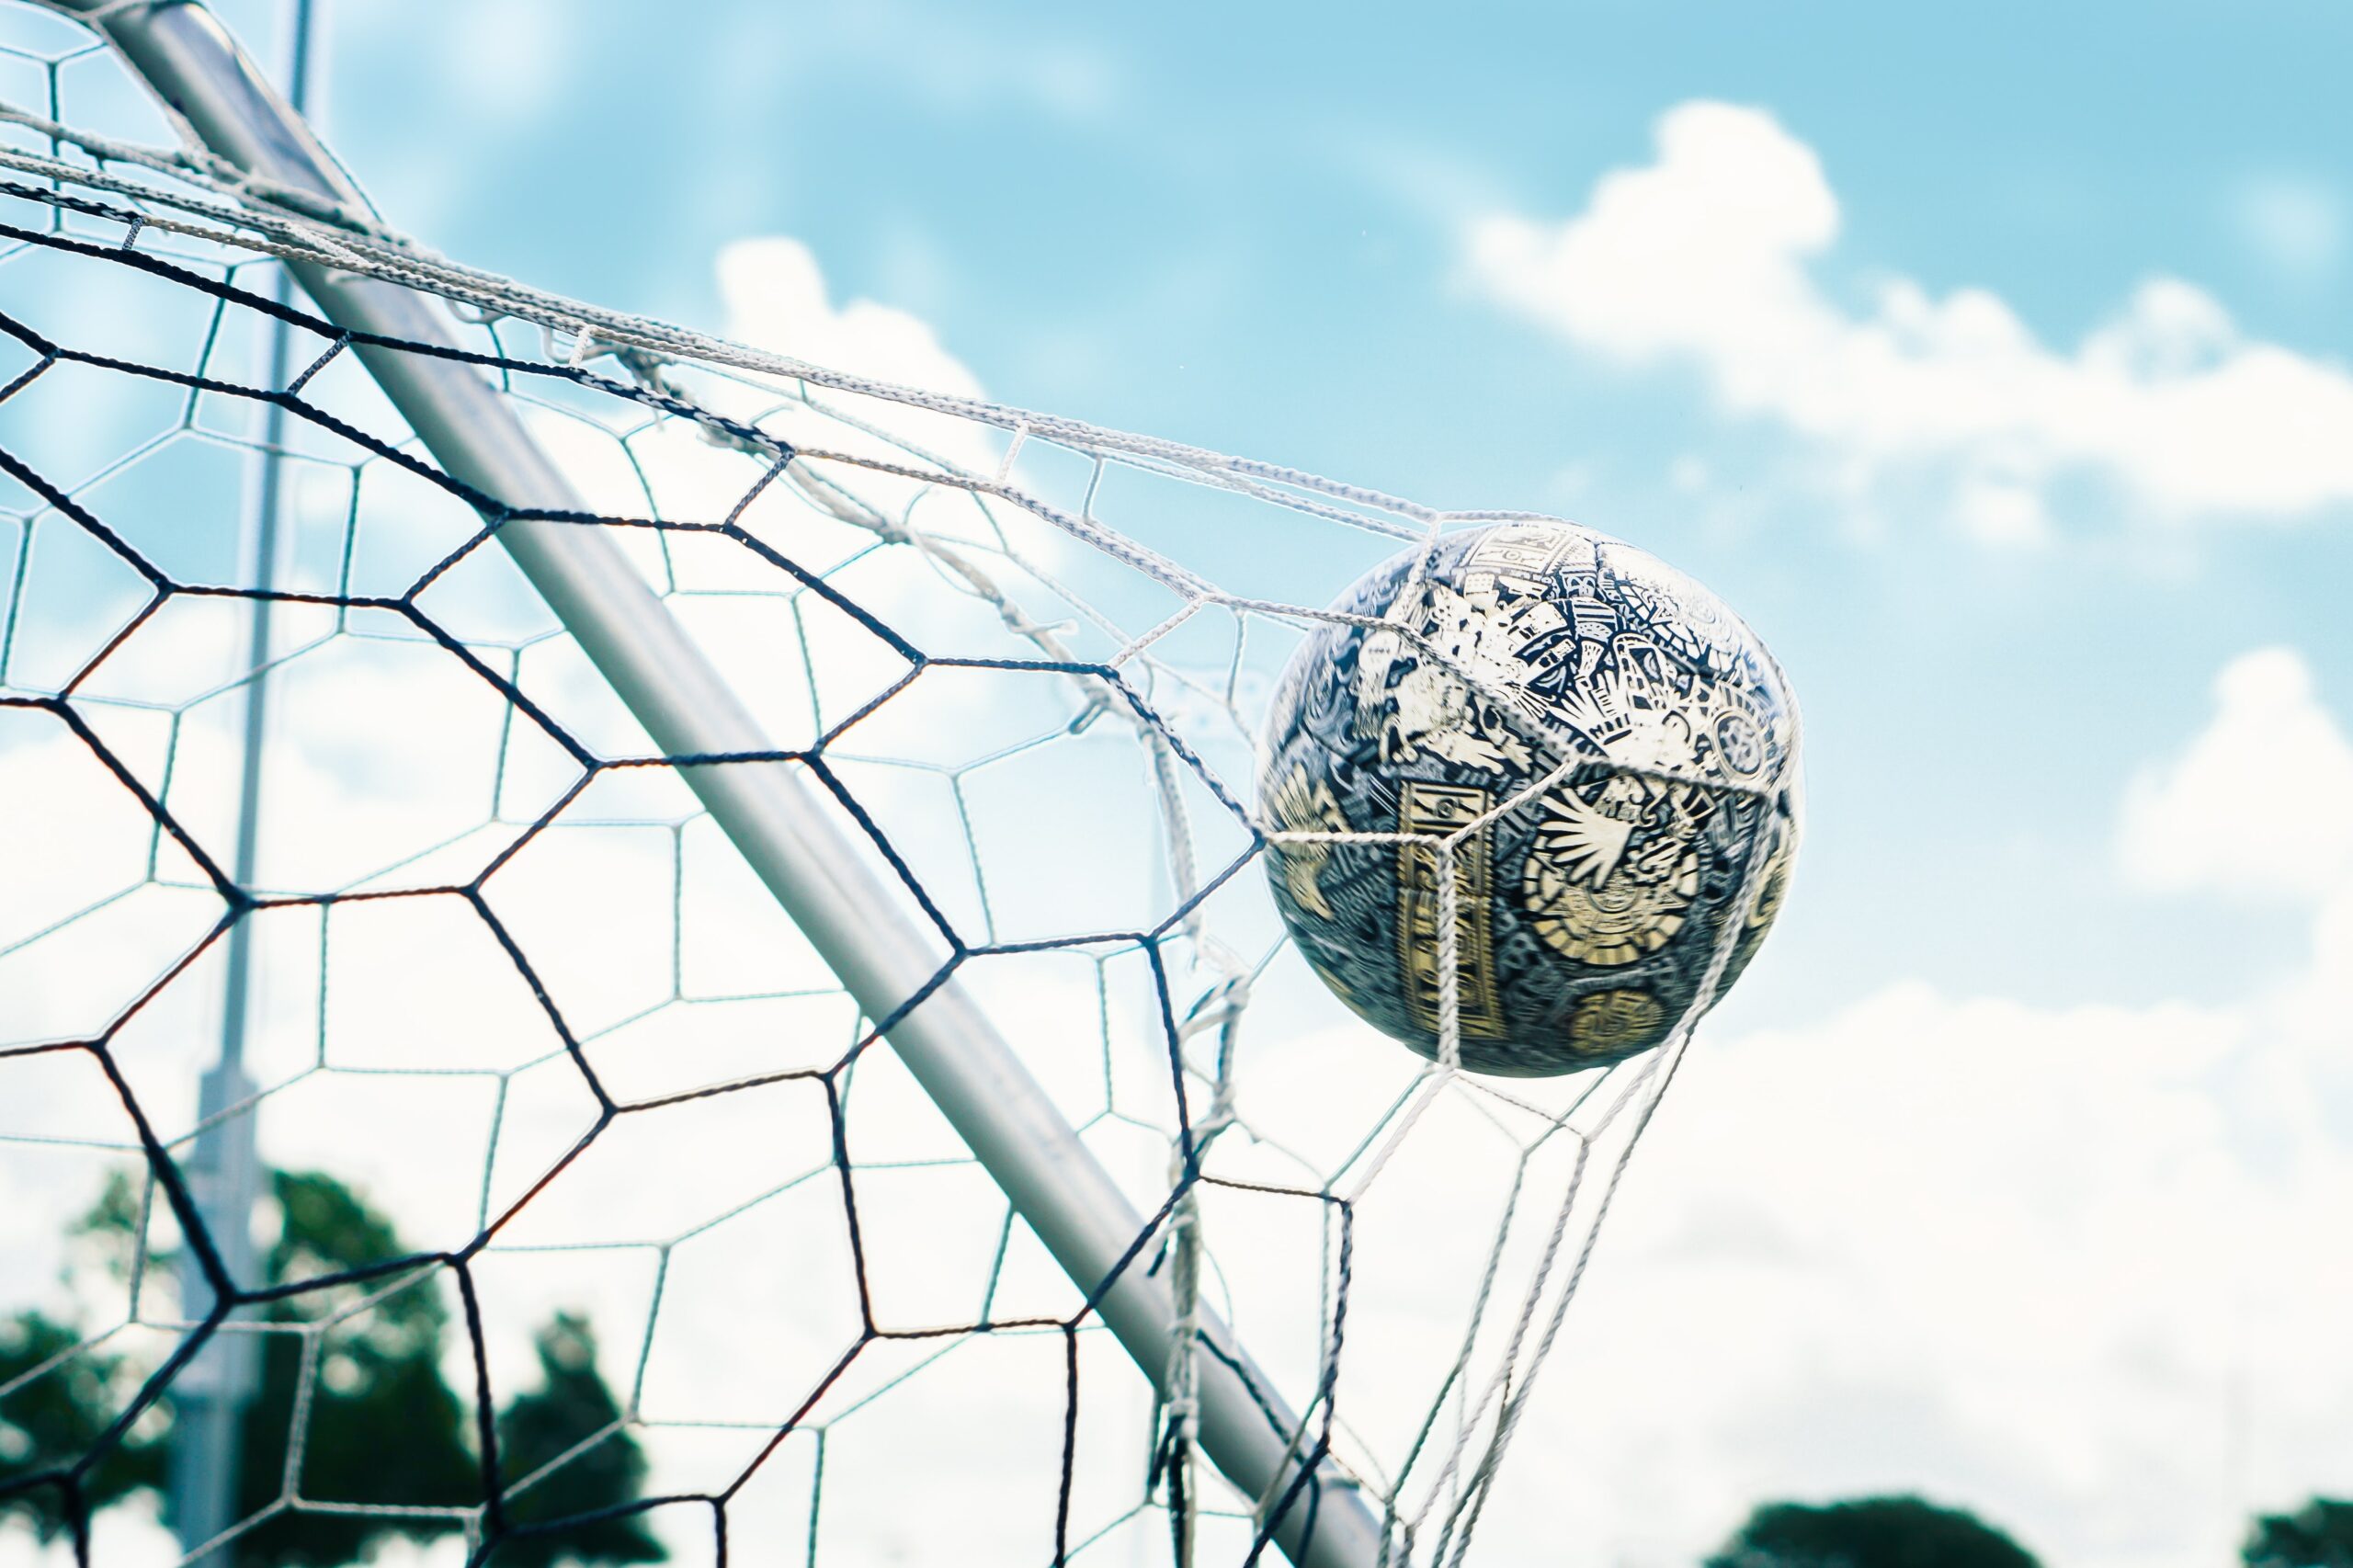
point(513, 983)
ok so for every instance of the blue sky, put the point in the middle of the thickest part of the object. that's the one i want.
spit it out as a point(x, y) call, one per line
point(1244, 227)
point(1251, 227)
point(2053, 1020)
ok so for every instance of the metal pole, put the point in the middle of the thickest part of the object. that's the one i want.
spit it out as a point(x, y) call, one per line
point(224, 1167)
point(211, 1395)
point(787, 827)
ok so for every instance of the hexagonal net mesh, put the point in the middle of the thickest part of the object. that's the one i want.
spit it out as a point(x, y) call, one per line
point(556, 1201)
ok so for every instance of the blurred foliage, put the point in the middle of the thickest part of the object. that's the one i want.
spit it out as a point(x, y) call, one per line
point(1868, 1532)
point(2318, 1535)
point(571, 1403)
point(385, 1426)
point(57, 1417)
point(380, 1373)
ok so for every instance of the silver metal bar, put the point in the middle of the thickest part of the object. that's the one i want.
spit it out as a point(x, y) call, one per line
point(789, 830)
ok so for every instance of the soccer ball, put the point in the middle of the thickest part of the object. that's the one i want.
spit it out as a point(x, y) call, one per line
point(1626, 748)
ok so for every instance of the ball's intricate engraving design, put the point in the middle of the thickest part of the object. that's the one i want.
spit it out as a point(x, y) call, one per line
point(1625, 747)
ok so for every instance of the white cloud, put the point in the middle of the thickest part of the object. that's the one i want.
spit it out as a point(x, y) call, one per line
point(2258, 803)
point(941, 60)
point(776, 298)
point(1704, 257)
point(2002, 512)
point(2294, 223)
point(2024, 1257)
point(2054, 1262)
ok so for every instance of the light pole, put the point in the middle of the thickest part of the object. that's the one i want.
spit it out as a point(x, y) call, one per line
point(224, 1169)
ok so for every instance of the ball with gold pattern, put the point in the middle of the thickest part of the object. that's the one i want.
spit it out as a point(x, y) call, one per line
point(1596, 754)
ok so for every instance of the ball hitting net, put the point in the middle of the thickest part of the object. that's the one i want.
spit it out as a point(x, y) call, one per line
point(505, 988)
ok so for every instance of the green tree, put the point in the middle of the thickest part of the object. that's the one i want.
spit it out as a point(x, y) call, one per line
point(2318, 1535)
point(572, 1403)
point(1868, 1532)
point(57, 1416)
point(383, 1426)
